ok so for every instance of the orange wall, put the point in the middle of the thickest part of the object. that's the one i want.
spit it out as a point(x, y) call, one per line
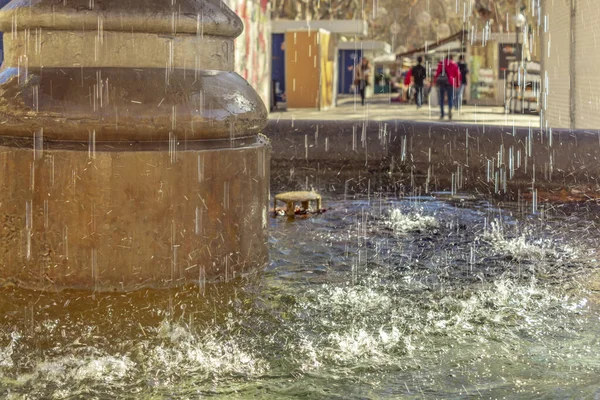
point(326, 85)
point(302, 69)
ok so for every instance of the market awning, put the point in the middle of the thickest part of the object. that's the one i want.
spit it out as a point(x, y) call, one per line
point(452, 42)
point(376, 46)
point(341, 26)
point(385, 59)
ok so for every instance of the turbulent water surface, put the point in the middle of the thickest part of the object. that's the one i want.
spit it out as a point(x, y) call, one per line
point(373, 299)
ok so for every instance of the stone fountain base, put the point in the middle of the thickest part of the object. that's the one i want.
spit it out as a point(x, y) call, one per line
point(121, 216)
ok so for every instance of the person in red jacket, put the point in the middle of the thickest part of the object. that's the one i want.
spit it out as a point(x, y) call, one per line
point(407, 82)
point(447, 79)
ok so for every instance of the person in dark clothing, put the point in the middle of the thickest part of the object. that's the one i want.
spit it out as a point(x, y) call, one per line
point(362, 75)
point(419, 74)
point(273, 95)
point(464, 70)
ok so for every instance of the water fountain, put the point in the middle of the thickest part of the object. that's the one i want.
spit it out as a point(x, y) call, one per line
point(131, 157)
point(129, 149)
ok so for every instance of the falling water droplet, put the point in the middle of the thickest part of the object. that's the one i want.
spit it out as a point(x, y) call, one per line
point(92, 145)
point(38, 144)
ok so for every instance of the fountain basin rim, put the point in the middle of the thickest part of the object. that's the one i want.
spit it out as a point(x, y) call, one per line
point(128, 104)
point(17, 142)
point(138, 50)
point(150, 16)
point(166, 286)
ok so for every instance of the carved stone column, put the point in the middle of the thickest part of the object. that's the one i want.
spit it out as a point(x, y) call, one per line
point(129, 150)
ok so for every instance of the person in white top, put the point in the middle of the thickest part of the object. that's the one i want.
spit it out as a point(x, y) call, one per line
point(362, 74)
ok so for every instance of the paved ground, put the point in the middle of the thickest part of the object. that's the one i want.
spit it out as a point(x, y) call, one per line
point(379, 108)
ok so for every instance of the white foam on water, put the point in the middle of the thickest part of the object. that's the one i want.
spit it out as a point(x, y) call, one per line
point(6, 356)
point(6, 353)
point(334, 329)
point(403, 222)
point(170, 353)
point(525, 246)
point(354, 297)
point(377, 327)
point(359, 345)
point(106, 368)
point(211, 353)
point(307, 354)
point(67, 375)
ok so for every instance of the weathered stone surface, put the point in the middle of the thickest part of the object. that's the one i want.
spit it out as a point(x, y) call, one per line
point(90, 49)
point(126, 104)
point(126, 216)
point(416, 157)
point(200, 17)
point(115, 68)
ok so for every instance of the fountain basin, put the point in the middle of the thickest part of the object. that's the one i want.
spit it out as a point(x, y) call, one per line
point(411, 158)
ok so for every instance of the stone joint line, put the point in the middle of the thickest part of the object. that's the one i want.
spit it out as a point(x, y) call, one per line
point(37, 48)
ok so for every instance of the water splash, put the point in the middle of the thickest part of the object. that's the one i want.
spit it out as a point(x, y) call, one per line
point(403, 222)
point(525, 245)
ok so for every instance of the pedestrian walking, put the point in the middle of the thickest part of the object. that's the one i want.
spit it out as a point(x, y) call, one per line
point(419, 74)
point(362, 75)
point(447, 79)
point(464, 71)
point(407, 84)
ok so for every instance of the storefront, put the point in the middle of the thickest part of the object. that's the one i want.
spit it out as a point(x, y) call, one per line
point(385, 67)
point(497, 74)
point(304, 64)
point(492, 63)
point(350, 54)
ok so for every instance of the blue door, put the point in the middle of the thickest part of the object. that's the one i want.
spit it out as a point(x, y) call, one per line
point(346, 61)
point(278, 66)
point(2, 4)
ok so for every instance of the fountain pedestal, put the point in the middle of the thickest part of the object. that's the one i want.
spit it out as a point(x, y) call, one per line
point(130, 154)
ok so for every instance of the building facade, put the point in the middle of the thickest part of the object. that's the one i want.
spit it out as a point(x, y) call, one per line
point(253, 46)
point(570, 64)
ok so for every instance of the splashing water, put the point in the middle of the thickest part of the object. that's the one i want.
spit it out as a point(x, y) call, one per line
point(525, 245)
point(310, 328)
point(402, 222)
